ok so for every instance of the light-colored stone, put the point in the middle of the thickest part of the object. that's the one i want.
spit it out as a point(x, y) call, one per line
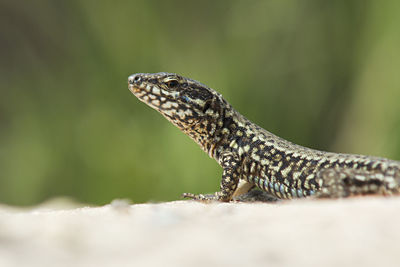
point(351, 232)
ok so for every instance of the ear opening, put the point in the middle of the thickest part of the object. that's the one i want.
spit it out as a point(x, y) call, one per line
point(207, 105)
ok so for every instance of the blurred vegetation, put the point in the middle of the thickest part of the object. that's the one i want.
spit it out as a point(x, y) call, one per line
point(324, 74)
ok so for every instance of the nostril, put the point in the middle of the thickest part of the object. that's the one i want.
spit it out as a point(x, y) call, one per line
point(133, 79)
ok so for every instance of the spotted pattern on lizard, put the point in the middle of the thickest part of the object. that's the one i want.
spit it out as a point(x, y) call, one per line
point(254, 156)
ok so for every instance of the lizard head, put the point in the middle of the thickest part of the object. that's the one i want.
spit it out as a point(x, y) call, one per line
point(183, 101)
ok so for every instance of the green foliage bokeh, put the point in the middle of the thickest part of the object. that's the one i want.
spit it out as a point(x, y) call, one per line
point(320, 73)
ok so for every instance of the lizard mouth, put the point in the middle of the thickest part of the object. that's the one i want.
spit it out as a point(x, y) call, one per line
point(135, 85)
point(134, 89)
point(151, 94)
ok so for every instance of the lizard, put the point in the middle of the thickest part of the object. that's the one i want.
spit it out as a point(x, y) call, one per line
point(254, 157)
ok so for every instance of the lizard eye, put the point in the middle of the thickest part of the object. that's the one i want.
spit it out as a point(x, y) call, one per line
point(172, 83)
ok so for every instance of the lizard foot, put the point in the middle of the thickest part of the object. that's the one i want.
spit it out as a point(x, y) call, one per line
point(203, 197)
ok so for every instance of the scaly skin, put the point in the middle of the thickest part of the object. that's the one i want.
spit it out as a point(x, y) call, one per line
point(250, 154)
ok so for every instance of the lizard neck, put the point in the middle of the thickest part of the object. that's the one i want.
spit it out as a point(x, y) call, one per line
point(232, 132)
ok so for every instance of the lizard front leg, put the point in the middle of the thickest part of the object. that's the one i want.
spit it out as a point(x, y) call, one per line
point(230, 163)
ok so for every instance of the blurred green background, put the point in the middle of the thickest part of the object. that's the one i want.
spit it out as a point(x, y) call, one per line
point(324, 74)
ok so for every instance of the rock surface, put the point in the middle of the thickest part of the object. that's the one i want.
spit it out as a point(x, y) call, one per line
point(351, 232)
